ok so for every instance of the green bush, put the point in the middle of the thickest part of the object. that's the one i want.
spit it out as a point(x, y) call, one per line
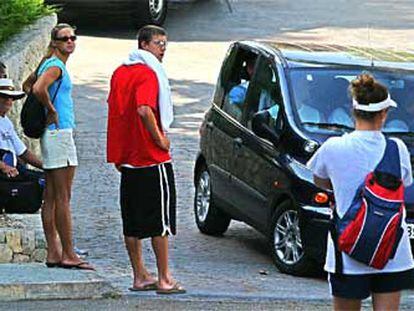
point(16, 14)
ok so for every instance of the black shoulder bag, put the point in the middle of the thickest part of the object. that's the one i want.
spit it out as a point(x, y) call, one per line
point(32, 116)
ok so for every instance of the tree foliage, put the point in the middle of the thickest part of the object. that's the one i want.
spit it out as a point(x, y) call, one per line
point(16, 14)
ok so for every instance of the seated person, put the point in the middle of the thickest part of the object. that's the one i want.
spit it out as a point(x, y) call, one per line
point(237, 94)
point(396, 126)
point(309, 114)
point(340, 116)
point(10, 144)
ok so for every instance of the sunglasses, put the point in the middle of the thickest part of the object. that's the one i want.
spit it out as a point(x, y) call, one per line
point(160, 43)
point(66, 38)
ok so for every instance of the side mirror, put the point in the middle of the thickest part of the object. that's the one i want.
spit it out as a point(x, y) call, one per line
point(261, 127)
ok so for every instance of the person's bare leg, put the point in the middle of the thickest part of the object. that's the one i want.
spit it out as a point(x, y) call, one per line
point(141, 276)
point(386, 301)
point(160, 246)
point(342, 304)
point(54, 247)
point(63, 186)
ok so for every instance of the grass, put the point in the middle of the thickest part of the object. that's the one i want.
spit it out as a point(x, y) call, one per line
point(16, 14)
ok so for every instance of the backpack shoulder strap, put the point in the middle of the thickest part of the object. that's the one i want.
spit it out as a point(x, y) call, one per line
point(390, 162)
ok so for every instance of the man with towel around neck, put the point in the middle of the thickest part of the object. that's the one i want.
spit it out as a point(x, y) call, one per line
point(140, 114)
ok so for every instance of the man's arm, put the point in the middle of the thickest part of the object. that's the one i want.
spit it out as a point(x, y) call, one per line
point(150, 123)
point(7, 170)
point(32, 159)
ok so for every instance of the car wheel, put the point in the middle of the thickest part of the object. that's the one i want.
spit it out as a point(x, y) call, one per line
point(151, 12)
point(210, 220)
point(288, 252)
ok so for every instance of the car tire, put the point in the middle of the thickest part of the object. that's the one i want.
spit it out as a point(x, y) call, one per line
point(150, 12)
point(209, 218)
point(287, 249)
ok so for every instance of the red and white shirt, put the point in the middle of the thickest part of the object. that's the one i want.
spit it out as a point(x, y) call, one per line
point(128, 140)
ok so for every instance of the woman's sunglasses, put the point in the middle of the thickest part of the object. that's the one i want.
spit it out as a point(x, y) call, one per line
point(66, 38)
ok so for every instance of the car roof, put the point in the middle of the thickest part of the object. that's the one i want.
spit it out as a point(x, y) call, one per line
point(311, 54)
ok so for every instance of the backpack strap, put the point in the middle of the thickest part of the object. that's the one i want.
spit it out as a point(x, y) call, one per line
point(339, 265)
point(390, 162)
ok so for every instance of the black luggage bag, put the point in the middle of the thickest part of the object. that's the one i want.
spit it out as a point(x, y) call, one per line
point(22, 194)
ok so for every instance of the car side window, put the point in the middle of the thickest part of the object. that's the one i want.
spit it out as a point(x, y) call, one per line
point(236, 83)
point(264, 95)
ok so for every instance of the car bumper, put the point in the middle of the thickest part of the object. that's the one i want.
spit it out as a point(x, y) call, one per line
point(314, 224)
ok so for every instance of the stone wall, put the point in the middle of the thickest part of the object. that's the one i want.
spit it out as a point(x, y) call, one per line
point(21, 54)
point(21, 236)
point(21, 239)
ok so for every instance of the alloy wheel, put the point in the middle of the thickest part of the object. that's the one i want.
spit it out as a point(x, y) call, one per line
point(156, 8)
point(203, 196)
point(287, 241)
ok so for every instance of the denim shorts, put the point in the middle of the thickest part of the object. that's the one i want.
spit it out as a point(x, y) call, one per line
point(58, 149)
point(363, 285)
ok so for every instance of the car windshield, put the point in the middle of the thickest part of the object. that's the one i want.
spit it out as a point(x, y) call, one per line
point(322, 100)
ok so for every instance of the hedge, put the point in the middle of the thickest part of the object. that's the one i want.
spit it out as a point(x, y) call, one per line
point(16, 14)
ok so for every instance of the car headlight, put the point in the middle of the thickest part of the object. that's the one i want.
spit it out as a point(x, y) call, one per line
point(310, 146)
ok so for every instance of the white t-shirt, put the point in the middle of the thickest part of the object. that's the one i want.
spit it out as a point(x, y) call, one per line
point(346, 161)
point(9, 139)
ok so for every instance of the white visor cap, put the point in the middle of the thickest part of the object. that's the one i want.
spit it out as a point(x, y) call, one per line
point(374, 107)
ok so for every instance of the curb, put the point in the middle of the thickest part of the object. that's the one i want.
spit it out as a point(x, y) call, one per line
point(37, 282)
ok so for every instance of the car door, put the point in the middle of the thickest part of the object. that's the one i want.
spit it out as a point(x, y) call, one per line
point(255, 161)
point(223, 123)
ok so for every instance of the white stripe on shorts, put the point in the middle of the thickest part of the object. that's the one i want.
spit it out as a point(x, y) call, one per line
point(165, 227)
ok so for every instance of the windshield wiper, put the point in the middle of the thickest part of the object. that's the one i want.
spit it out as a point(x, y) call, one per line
point(329, 125)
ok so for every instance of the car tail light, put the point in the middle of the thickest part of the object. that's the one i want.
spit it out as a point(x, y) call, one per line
point(321, 198)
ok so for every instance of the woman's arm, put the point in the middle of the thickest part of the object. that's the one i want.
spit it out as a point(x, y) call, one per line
point(40, 90)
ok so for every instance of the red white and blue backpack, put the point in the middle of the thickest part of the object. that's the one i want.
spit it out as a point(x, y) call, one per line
point(371, 229)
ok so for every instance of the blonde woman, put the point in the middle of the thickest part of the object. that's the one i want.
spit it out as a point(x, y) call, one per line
point(58, 147)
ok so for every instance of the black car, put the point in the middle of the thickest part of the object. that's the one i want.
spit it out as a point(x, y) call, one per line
point(274, 104)
point(142, 11)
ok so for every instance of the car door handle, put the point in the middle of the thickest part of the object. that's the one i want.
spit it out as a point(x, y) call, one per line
point(238, 142)
point(210, 125)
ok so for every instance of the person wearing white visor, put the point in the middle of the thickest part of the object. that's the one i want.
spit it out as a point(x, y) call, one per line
point(374, 107)
point(341, 164)
point(10, 142)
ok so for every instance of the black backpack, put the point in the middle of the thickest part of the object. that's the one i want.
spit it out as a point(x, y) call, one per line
point(32, 115)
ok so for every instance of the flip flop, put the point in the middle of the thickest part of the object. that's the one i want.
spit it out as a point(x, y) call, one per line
point(52, 264)
point(83, 265)
point(176, 289)
point(152, 286)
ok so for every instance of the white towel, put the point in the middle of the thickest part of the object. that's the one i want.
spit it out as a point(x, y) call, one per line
point(139, 56)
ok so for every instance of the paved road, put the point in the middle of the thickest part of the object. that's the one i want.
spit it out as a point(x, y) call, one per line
point(199, 36)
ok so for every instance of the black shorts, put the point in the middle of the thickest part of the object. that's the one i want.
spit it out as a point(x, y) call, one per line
point(361, 286)
point(148, 201)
